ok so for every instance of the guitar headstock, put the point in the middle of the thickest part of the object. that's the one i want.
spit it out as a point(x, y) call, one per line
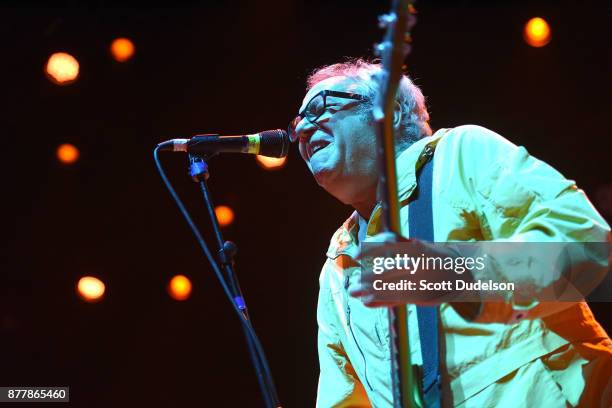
point(392, 51)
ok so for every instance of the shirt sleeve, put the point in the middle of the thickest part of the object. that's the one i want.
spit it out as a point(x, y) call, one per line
point(523, 200)
point(338, 386)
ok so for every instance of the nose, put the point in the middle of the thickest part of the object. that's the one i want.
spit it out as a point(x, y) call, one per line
point(304, 130)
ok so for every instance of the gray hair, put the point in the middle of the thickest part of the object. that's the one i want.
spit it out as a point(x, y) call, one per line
point(415, 116)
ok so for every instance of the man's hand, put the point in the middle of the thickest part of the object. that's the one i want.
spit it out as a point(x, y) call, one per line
point(374, 289)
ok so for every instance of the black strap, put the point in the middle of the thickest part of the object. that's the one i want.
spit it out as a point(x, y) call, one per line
point(420, 223)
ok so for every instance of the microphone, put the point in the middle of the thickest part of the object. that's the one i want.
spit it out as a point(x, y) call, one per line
point(271, 143)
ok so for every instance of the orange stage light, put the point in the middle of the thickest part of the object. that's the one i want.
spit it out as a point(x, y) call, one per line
point(122, 49)
point(271, 163)
point(225, 215)
point(62, 68)
point(179, 287)
point(537, 32)
point(90, 289)
point(67, 153)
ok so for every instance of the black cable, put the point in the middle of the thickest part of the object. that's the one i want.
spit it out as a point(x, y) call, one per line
point(258, 357)
point(234, 287)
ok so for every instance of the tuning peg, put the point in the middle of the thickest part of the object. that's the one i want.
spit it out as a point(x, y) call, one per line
point(379, 49)
point(385, 20)
point(411, 21)
point(406, 49)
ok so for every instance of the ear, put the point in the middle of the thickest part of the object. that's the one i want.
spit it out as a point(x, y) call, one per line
point(397, 115)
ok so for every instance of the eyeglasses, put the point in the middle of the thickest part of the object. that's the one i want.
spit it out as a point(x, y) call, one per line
point(316, 107)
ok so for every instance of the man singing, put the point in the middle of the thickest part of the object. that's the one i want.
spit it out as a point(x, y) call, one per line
point(484, 188)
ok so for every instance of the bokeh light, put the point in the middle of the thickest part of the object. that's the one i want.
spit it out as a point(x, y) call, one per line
point(67, 153)
point(62, 68)
point(179, 287)
point(271, 163)
point(537, 32)
point(90, 289)
point(225, 215)
point(122, 49)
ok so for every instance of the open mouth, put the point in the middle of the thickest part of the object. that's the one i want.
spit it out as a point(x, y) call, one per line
point(317, 146)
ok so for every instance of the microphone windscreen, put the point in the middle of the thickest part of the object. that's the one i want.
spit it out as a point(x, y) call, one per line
point(274, 143)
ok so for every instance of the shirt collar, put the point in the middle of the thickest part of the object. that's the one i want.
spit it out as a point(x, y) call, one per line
point(408, 162)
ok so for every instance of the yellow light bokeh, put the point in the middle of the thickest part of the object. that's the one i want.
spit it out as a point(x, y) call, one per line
point(122, 49)
point(179, 287)
point(67, 153)
point(225, 215)
point(90, 289)
point(537, 32)
point(271, 163)
point(62, 68)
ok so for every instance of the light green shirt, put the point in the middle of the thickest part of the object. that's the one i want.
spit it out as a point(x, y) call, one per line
point(484, 188)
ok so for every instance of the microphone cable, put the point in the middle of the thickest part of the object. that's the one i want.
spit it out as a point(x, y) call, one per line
point(258, 357)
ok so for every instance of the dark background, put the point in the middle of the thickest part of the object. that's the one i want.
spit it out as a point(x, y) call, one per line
point(233, 67)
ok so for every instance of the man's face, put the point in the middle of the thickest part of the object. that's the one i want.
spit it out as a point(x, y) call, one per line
point(340, 150)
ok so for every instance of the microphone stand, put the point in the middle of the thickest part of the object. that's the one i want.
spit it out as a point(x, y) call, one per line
point(198, 170)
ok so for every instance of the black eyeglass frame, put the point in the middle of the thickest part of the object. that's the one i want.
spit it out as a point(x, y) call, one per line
point(324, 93)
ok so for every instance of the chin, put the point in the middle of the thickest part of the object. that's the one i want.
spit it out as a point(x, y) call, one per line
point(323, 178)
point(327, 173)
point(331, 184)
point(322, 172)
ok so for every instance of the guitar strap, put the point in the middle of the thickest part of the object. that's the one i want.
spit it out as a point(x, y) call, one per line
point(420, 223)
